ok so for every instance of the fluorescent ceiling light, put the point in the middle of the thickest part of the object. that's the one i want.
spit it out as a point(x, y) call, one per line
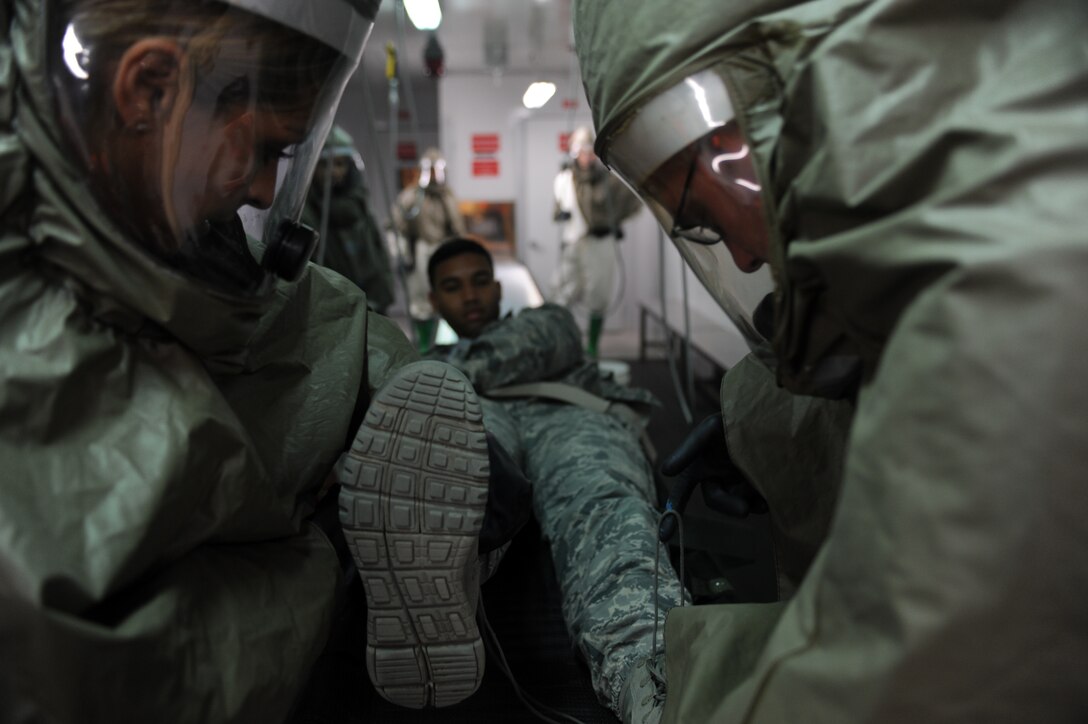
point(424, 14)
point(537, 94)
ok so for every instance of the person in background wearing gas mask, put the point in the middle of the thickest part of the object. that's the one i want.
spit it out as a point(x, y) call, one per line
point(351, 242)
point(175, 395)
point(425, 213)
point(916, 176)
point(590, 205)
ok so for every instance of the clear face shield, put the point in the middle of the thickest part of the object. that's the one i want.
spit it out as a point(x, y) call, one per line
point(685, 156)
point(184, 113)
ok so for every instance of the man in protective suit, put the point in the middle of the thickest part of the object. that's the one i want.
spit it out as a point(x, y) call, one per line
point(425, 213)
point(591, 204)
point(175, 394)
point(915, 174)
point(351, 240)
point(576, 435)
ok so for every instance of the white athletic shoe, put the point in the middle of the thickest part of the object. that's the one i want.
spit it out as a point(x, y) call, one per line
point(414, 489)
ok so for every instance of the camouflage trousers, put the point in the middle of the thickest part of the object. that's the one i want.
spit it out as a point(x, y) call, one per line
point(592, 495)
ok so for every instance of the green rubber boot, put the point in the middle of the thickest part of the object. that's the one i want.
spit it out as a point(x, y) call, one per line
point(425, 329)
point(596, 324)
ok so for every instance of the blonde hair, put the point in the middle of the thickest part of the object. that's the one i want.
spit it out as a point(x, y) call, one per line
point(230, 50)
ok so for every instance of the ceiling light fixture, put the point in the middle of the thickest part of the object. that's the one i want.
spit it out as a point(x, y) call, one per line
point(537, 94)
point(424, 14)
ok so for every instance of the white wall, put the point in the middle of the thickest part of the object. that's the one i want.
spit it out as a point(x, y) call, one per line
point(478, 103)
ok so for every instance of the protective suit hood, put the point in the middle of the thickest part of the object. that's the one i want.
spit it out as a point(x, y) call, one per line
point(71, 232)
point(339, 143)
point(869, 200)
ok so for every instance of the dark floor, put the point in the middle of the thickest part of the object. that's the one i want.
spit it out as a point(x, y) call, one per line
point(522, 605)
point(727, 560)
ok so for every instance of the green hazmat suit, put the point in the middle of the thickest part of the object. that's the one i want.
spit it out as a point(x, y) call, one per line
point(352, 242)
point(925, 171)
point(161, 444)
point(791, 447)
point(424, 216)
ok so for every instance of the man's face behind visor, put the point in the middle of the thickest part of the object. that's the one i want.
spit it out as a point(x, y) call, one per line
point(684, 153)
point(713, 195)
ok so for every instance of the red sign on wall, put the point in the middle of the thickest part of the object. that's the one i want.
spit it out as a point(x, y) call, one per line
point(485, 143)
point(406, 150)
point(564, 142)
point(485, 167)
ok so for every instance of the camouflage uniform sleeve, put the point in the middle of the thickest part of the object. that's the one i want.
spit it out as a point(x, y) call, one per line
point(538, 344)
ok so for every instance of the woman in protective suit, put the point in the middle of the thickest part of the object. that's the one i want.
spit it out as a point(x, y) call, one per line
point(916, 175)
point(174, 394)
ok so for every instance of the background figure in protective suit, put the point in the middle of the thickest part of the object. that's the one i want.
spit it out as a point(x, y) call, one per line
point(425, 213)
point(916, 175)
point(351, 241)
point(171, 407)
point(593, 489)
point(590, 204)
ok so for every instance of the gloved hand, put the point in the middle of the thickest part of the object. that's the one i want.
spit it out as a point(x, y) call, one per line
point(703, 458)
point(617, 232)
point(561, 216)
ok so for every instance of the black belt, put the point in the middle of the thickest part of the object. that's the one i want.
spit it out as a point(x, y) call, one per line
point(602, 231)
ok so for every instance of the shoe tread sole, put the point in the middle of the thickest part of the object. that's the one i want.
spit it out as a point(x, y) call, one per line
point(414, 488)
